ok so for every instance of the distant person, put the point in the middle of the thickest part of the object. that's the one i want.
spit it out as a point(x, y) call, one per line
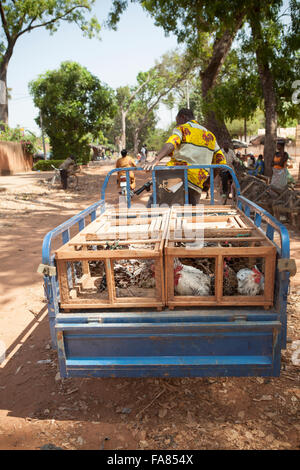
point(65, 168)
point(259, 167)
point(124, 162)
point(143, 154)
point(226, 177)
point(239, 162)
point(251, 161)
point(279, 164)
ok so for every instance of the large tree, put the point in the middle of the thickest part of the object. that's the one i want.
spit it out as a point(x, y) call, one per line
point(207, 28)
point(75, 107)
point(19, 17)
point(275, 43)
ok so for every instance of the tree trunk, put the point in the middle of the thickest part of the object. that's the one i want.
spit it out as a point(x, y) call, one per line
point(269, 94)
point(270, 119)
point(218, 128)
point(3, 92)
point(136, 141)
point(122, 140)
point(209, 77)
point(3, 80)
point(118, 143)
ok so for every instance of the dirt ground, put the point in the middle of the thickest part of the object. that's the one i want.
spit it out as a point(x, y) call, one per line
point(38, 408)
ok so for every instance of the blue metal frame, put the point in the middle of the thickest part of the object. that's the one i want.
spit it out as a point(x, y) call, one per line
point(50, 282)
point(257, 318)
point(168, 168)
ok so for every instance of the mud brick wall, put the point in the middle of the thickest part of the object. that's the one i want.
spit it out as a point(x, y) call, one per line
point(13, 159)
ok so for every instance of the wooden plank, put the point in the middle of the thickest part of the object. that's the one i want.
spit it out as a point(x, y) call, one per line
point(102, 254)
point(248, 186)
point(269, 277)
point(223, 239)
point(219, 277)
point(110, 281)
point(209, 233)
point(169, 276)
point(63, 281)
point(88, 304)
point(241, 252)
point(120, 242)
point(201, 218)
point(225, 302)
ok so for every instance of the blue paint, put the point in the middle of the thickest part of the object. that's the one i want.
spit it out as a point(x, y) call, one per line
point(173, 168)
point(195, 343)
point(164, 361)
point(212, 188)
point(186, 187)
point(128, 197)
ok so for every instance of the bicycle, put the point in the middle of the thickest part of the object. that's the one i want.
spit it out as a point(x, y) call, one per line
point(56, 179)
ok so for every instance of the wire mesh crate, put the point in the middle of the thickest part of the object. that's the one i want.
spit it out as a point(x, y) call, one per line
point(115, 262)
point(214, 256)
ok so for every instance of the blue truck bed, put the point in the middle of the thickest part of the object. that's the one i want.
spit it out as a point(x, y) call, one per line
point(190, 342)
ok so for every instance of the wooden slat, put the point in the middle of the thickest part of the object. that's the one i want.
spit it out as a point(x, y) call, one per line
point(110, 281)
point(242, 252)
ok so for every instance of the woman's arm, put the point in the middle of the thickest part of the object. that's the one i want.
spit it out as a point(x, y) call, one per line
point(166, 150)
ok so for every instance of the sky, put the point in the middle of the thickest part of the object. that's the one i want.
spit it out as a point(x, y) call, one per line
point(116, 59)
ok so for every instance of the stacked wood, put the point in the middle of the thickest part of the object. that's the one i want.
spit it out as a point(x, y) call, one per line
point(285, 202)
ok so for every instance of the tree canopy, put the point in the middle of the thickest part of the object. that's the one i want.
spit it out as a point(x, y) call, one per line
point(19, 17)
point(75, 107)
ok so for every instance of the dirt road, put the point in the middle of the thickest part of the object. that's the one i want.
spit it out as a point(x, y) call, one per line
point(37, 408)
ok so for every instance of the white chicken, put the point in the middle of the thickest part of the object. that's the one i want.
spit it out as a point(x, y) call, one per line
point(190, 281)
point(250, 281)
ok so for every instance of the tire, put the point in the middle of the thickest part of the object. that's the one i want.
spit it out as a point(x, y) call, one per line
point(55, 180)
point(72, 182)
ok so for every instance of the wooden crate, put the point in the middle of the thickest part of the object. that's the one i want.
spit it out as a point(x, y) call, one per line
point(99, 267)
point(220, 241)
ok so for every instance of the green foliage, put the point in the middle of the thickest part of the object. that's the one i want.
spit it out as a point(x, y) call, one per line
point(236, 126)
point(137, 105)
point(45, 165)
point(184, 18)
point(75, 107)
point(28, 139)
point(19, 17)
point(22, 16)
point(277, 42)
point(237, 94)
point(158, 137)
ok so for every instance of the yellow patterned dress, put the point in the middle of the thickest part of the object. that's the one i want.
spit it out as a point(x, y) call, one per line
point(195, 145)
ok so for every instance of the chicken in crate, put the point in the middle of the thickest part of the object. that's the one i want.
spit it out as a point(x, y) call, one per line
point(216, 256)
point(189, 279)
point(115, 262)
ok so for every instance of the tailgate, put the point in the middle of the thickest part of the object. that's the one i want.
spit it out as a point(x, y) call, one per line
point(168, 345)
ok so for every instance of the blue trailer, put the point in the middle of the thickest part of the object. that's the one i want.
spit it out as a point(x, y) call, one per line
point(189, 342)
